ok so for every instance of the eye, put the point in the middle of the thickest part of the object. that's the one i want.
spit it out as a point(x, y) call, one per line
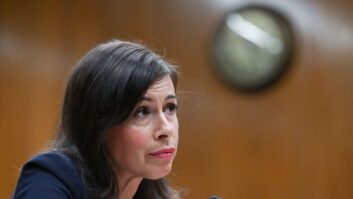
point(170, 108)
point(142, 112)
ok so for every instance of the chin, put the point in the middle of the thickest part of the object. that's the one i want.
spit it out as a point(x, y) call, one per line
point(159, 172)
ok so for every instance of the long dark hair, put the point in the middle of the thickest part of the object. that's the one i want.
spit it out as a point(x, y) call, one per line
point(102, 91)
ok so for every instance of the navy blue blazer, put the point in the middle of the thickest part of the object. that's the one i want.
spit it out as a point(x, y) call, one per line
point(50, 175)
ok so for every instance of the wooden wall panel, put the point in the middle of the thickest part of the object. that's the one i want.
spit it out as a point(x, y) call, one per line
point(292, 141)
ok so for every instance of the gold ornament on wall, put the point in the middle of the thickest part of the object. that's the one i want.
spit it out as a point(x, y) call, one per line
point(253, 47)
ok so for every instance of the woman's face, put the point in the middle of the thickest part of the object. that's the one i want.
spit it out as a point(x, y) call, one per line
point(146, 144)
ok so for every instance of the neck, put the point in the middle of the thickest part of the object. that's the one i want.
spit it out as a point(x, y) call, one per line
point(128, 186)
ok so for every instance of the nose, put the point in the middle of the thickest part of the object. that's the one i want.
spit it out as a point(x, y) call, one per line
point(163, 128)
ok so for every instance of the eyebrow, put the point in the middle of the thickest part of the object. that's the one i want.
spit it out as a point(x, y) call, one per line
point(150, 99)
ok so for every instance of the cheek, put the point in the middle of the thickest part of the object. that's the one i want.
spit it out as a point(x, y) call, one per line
point(176, 128)
point(137, 138)
point(126, 143)
point(134, 140)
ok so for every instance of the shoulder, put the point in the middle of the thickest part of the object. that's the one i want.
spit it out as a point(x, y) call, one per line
point(49, 175)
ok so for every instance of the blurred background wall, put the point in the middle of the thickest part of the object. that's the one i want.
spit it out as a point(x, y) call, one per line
point(291, 141)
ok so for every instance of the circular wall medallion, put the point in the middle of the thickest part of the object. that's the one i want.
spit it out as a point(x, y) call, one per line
point(253, 47)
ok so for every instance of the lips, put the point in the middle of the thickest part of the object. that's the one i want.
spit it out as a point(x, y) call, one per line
point(166, 153)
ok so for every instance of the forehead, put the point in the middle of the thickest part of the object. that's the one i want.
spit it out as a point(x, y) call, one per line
point(162, 86)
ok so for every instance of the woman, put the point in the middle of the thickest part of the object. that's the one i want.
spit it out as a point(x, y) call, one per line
point(118, 133)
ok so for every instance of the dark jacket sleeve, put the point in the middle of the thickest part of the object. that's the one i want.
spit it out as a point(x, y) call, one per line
point(50, 175)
